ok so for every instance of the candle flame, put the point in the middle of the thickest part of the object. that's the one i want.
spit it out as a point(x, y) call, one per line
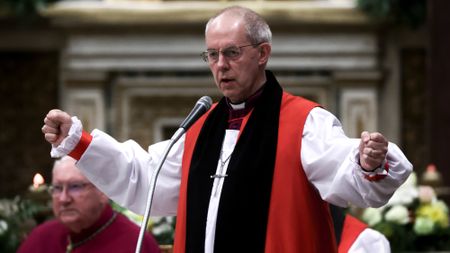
point(38, 180)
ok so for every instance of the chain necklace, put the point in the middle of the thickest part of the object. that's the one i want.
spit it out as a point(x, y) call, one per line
point(72, 246)
point(220, 175)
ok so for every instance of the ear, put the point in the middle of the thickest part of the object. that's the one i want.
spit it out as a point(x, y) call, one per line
point(264, 53)
point(102, 198)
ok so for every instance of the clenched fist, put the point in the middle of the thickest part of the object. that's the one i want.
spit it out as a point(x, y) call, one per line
point(372, 150)
point(56, 127)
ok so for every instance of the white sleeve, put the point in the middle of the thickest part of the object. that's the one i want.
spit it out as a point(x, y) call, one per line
point(123, 172)
point(330, 160)
point(370, 241)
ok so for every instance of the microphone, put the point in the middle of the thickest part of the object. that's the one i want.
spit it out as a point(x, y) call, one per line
point(202, 106)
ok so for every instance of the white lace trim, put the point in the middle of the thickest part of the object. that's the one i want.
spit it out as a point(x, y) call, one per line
point(70, 142)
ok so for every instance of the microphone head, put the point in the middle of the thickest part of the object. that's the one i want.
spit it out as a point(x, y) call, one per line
point(202, 106)
point(206, 101)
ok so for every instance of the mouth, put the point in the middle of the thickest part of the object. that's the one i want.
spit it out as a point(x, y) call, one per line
point(67, 212)
point(226, 81)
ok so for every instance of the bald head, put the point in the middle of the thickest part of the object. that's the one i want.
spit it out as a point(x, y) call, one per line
point(257, 29)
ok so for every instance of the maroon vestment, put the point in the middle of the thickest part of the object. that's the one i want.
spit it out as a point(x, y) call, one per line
point(118, 237)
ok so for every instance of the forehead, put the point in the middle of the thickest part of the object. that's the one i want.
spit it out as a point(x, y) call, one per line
point(225, 30)
point(67, 172)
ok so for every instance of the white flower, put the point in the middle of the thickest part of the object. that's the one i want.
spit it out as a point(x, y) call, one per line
point(423, 226)
point(9, 207)
point(163, 228)
point(372, 216)
point(398, 214)
point(170, 219)
point(3, 227)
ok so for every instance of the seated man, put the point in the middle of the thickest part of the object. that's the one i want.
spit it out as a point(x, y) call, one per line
point(85, 222)
point(353, 235)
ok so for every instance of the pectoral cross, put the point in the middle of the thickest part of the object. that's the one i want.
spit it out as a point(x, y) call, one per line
point(220, 172)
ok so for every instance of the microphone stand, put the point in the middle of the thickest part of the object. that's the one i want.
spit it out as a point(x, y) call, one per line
point(202, 105)
point(151, 189)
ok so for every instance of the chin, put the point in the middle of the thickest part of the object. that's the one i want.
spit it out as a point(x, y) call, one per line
point(231, 95)
point(68, 216)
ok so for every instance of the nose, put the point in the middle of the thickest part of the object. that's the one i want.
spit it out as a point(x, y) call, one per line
point(222, 62)
point(64, 196)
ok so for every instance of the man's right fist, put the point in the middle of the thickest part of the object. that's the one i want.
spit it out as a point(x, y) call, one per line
point(56, 127)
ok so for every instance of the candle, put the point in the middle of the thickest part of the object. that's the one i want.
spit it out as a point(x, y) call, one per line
point(37, 180)
point(39, 198)
point(38, 183)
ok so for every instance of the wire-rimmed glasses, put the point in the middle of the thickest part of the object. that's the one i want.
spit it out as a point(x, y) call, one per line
point(72, 189)
point(231, 53)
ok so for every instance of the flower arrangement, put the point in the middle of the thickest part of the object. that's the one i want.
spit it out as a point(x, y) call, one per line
point(162, 228)
point(18, 216)
point(414, 219)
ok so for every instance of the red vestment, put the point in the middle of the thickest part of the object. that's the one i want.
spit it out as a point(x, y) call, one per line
point(299, 220)
point(350, 231)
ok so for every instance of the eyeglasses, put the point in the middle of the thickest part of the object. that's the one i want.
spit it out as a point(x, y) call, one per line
point(231, 53)
point(73, 189)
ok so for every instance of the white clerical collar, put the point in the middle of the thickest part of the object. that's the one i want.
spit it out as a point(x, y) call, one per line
point(238, 106)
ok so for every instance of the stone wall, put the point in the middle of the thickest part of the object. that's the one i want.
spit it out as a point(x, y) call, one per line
point(135, 71)
point(28, 88)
